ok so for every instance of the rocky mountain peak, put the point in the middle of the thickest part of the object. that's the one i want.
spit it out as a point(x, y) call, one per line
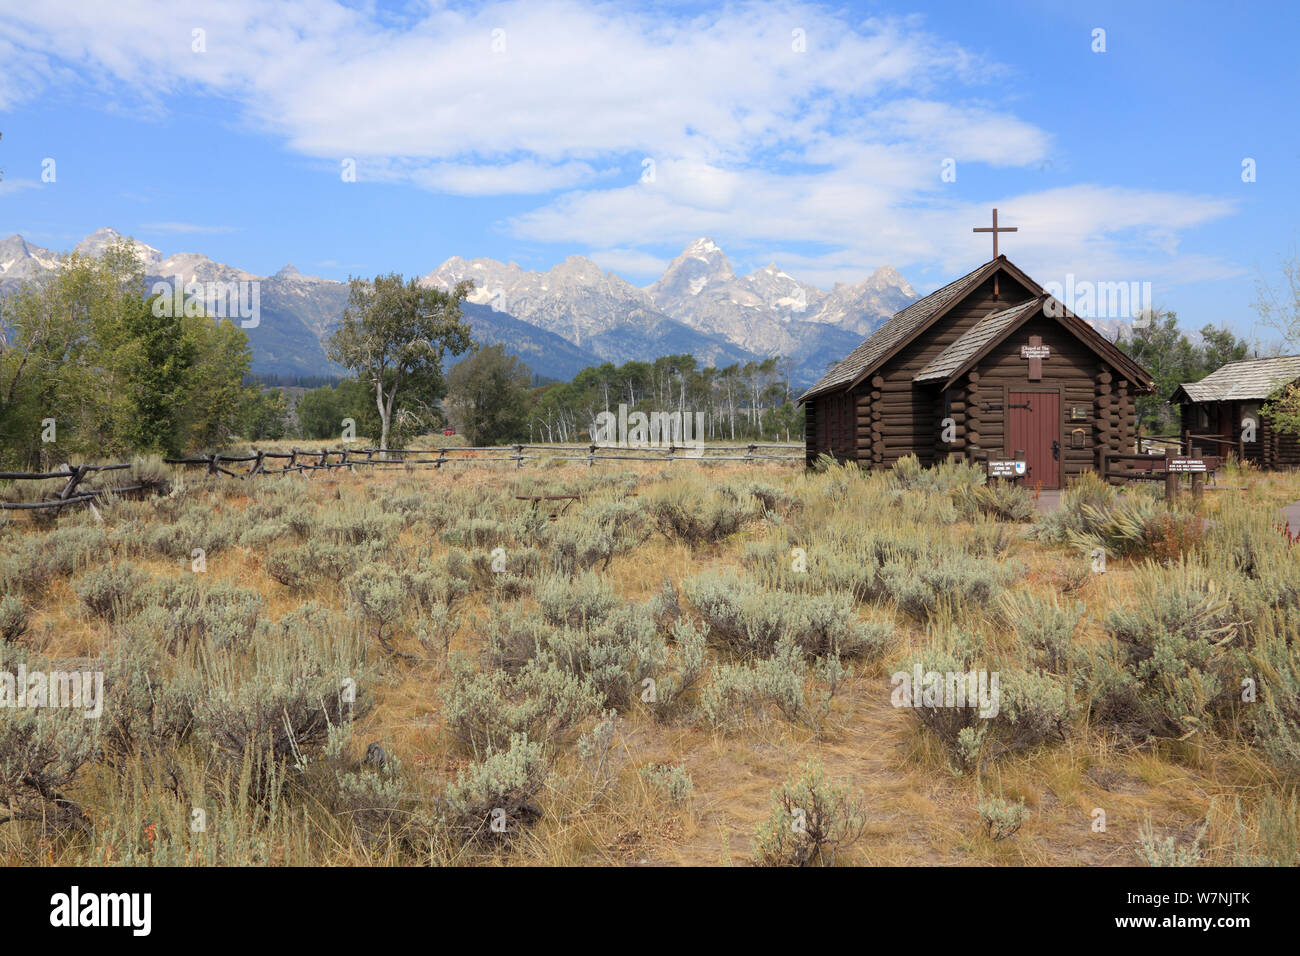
point(98, 241)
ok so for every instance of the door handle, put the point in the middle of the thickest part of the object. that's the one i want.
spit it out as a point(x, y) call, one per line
point(1056, 450)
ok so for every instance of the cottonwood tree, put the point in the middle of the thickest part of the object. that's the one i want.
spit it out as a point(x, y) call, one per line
point(1279, 309)
point(1161, 347)
point(81, 345)
point(395, 334)
point(488, 396)
point(1278, 306)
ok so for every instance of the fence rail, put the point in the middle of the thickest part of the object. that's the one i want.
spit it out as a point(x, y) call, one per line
point(1169, 468)
point(305, 462)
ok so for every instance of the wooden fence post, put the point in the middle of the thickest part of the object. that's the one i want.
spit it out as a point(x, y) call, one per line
point(74, 478)
point(519, 456)
point(1171, 477)
point(591, 455)
point(1198, 486)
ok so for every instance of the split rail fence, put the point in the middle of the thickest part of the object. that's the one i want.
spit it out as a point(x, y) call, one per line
point(328, 459)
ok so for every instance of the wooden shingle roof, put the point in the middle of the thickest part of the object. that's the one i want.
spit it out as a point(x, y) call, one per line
point(984, 332)
point(897, 331)
point(1247, 380)
point(906, 325)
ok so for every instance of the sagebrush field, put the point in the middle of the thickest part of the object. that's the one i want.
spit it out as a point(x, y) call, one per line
point(689, 664)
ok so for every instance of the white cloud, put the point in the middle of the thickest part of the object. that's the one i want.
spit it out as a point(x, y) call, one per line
point(837, 147)
point(469, 179)
point(629, 263)
point(17, 185)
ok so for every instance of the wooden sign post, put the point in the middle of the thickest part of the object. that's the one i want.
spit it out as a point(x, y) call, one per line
point(1035, 351)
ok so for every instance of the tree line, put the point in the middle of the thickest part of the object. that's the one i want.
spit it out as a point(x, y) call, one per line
point(90, 367)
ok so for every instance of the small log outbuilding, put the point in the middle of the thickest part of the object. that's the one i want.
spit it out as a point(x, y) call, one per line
point(1223, 410)
point(989, 366)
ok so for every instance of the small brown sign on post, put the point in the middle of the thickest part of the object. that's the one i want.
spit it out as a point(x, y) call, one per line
point(1006, 468)
point(1035, 351)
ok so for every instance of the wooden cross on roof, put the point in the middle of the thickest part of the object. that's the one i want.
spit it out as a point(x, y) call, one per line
point(995, 230)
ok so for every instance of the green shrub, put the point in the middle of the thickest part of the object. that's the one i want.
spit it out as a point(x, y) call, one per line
point(680, 670)
point(1137, 525)
point(1045, 623)
point(1085, 496)
point(378, 598)
point(592, 538)
point(673, 783)
point(13, 619)
point(477, 533)
point(42, 753)
point(739, 690)
point(908, 474)
point(1002, 819)
point(149, 711)
point(300, 567)
point(748, 619)
point(1156, 850)
point(353, 523)
point(277, 708)
point(1026, 706)
point(59, 553)
point(585, 600)
point(772, 500)
point(501, 788)
point(1001, 500)
point(436, 630)
point(811, 821)
point(194, 530)
point(1174, 663)
point(222, 616)
point(954, 584)
point(682, 514)
point(113, 591)
point(263, 534)
point(615, 649)
point(485, 709)
point(1276, 713)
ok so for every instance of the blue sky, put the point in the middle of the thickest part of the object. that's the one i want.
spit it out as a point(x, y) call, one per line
point(810, 135)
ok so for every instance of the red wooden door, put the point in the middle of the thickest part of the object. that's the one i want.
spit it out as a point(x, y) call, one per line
point(1034, 427)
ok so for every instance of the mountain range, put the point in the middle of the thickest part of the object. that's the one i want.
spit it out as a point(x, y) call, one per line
point(558, 321)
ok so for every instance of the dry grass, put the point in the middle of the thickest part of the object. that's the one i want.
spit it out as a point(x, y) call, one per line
point(919, 812)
